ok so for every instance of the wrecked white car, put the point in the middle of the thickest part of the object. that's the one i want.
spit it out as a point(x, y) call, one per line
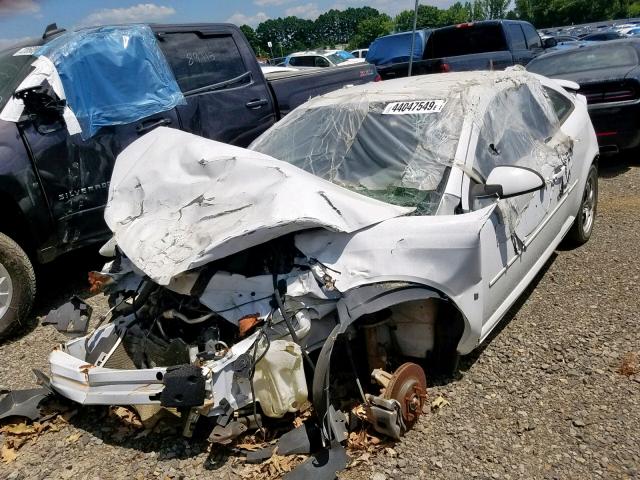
point(374, 226)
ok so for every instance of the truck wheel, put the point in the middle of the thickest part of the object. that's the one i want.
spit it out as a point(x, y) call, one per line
point(582, 227)
point(17, 285)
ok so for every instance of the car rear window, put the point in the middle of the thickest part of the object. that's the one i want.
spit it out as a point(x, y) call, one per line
point(12, 72)
point(584, 59)
point(465, 40)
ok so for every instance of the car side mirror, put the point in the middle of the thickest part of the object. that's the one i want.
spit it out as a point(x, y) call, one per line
point(511, 181)
point(549, 42)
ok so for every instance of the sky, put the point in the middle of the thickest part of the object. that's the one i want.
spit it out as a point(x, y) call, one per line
point(21, 19)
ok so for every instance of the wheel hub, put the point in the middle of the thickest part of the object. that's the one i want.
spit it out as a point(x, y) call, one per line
point(408, 385)
point(6, 290)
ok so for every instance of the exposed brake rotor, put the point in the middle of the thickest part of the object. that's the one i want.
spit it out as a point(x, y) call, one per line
point(408, 385)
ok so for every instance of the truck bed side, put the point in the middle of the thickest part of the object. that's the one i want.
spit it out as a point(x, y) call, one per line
point(291, 89)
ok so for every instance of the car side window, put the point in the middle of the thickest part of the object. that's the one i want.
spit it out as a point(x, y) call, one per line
point(199, 61)
point(302, 61)
point(322, 62)
point(561, 104)
point(512, 126)
point(533, 39)
point(518, 42)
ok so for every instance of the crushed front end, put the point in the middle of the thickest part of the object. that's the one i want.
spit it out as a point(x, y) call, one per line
point(211, 342)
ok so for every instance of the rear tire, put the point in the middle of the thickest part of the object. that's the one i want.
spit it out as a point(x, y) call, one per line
point(582, 227)
point(17, 285)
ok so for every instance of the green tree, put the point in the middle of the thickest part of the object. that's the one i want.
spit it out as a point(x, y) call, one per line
point(286, 34)
point(549, 13)
point(456, 13)
point(478, 11)
point(252, 38)
point(428, 17)
point(369, 29)
point(338, 27)
point(495, 8)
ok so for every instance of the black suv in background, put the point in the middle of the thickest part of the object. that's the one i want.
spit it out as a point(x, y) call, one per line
point(53, 185)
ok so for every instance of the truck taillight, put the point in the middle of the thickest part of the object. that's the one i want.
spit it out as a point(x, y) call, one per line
point(445, 67)
point(377, 78)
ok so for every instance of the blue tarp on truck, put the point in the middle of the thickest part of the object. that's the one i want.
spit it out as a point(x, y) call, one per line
point(113, 75)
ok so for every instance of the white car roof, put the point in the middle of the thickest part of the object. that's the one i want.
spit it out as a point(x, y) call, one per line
point(312, 52)
point(443, 85)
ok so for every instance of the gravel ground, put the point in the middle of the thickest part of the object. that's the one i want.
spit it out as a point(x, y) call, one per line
point(543, 398)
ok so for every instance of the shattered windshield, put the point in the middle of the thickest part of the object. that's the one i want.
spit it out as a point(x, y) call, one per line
point(398, 152)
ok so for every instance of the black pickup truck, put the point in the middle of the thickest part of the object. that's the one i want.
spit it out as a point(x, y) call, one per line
point(53, 185)
point(486, 45)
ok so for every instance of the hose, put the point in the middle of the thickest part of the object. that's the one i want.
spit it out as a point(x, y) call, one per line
point(173, 313)
point(292, 332)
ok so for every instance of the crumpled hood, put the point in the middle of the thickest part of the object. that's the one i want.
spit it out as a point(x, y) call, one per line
point(178, 201)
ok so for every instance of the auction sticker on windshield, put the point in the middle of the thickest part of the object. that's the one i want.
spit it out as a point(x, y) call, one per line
point(415, 106)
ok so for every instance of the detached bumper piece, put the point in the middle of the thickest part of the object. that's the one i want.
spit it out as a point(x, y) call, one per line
point(91, 385)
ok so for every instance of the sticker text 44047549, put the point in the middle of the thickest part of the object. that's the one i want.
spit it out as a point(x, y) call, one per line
point(413, 107)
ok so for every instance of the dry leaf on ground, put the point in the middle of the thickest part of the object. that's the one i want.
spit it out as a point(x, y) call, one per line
point(8, 454)
point(438, 403)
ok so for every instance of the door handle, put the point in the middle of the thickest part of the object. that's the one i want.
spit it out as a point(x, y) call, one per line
point(257, 103)
point(146, 126)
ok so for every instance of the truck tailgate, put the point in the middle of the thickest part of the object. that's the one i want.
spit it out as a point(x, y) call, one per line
point(291, 89)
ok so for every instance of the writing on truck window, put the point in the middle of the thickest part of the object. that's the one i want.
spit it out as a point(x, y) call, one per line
point(202, 56)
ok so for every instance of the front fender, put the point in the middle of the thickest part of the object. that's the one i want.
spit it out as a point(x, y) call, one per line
point(364, 300)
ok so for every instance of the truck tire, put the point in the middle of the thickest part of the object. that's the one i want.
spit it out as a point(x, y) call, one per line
point(582, 227)
point(17, 285)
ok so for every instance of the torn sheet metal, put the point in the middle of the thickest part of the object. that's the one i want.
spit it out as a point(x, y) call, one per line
point(410, 248)
point(43, 71)
point(178, 201)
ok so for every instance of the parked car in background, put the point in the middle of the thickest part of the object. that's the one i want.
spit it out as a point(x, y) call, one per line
point(55, 173)
point(360, 53)
point(602, 36)
point(344, 228)
point(396, 48)
point(632, 32)
point(563, 38)
point(486, 45)
point(609, 77)
point(321, 58)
